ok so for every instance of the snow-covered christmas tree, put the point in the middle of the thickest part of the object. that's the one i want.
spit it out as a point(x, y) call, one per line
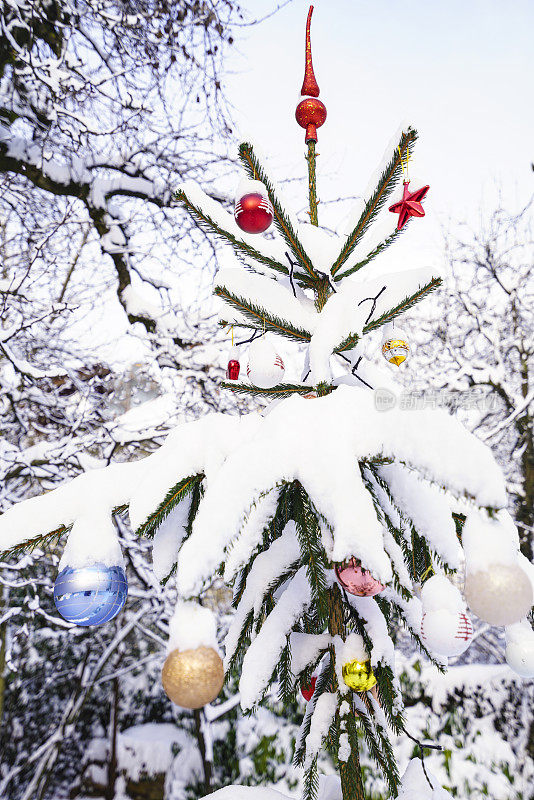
point(335, 515)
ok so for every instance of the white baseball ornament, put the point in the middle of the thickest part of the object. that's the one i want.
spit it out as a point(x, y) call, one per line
point(265, 367)
point(445, 627)
point(446, 633)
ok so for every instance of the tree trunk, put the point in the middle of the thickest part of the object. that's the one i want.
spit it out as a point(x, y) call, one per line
point(206, 764)
point(3, 650)
point(349, 771)
point(113, 725)
point(525, 512)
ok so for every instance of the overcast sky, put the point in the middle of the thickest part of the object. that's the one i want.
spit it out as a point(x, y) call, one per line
point(461, 72)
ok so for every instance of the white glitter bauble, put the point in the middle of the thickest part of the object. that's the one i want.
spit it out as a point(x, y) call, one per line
point(446, 633)
point(520, 658)
point(265, 367)
point(500, 595)
point(520, 648)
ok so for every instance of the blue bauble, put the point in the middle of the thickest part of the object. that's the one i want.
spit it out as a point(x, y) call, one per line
point(90, 595)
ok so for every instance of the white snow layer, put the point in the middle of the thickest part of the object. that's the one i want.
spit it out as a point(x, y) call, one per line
point(306, 648)
point(356, 303)
point(238, 792)
point(439, 594)
point(251, 533)
point(322, 717)
point(487, 541)
point(192, 626)
point(318, 443)
point(93, 538)
point(149, 749)
point(267, 567)
point(268, 294)
point(264, 652)
point(415, 786)
point(272, 248)
point(375, 623)
point(427, 508)
point(168, 538)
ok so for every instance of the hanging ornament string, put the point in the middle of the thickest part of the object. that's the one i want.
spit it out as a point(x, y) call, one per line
point(404, 164)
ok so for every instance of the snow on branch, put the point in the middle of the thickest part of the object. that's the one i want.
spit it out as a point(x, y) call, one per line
point(262, 656)
point(266, 569)
point(325, 462)
point(428, 510)
point(261, 300)
point(211, 215)
point(317, 443)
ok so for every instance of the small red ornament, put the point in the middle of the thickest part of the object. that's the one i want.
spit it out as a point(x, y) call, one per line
point(356, 580)
point(307, 691)
point(232, 370)
point(253, 210)
point(310, 112)
point(410, 205)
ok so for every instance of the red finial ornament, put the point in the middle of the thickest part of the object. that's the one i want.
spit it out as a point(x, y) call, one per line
point(311, 112)
point(310, 86)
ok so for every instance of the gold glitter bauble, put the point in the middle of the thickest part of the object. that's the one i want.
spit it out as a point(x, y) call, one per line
point(500, 595)
point(358, 675)
point(396, 351)
point(192, 678)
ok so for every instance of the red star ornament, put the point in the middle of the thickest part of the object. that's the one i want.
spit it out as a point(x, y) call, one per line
point(410, 205)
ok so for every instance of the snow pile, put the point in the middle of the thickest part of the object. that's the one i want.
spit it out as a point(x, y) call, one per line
point(93, 538)
point(149, 750)
point(418, 786)
point(192, 626)
point(236, 792)
point(488, 541)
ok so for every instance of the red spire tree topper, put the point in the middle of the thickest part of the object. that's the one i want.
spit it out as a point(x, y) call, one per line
point(310, 112)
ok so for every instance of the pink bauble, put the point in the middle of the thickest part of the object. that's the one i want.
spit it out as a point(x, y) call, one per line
point(357, 580)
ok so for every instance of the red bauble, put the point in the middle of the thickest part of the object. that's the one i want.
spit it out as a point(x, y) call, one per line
point(232, 370)
point(357, 580)
point(307, 691)
point(410, 205)
point(253, 212)
point(311, 114)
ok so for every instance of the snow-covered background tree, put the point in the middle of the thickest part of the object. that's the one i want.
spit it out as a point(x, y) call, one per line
point(323, 498)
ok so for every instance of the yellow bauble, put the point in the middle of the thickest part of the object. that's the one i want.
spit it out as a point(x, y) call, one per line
point(395, 351)
point(192, 678)
point(358, 675)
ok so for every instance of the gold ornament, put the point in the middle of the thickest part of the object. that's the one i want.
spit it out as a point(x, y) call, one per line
point(358, 675)
point(192, 678)
point(395, 351)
